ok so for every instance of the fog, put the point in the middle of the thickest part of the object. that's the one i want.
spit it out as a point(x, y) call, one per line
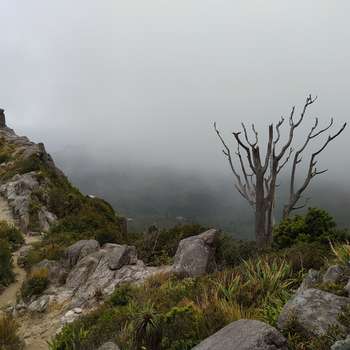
point(131, 87)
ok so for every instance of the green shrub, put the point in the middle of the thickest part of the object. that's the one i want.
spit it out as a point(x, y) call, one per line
point(4, 157)
point(121, 296)
point(300, 258)
point(316, 226)
point(9, 340)
point(231, 252)
point(6, 273)
point(35, 284)
point(11, 234)
point(158, 247)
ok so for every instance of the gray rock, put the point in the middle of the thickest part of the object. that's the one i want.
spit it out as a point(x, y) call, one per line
point(333, 274)
point(79, 250)
point(92, 276)
point(121, 255)
point(245, 335)
point(40, 304)
point(342, 344)
point(109, 346)
point(347, 287)
point(194, 255)
point(312, 278)
point(313, 310)
point(2, 118)
point(70, 316)
point(18, 193)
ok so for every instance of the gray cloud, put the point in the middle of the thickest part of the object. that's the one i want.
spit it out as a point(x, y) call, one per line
point(144, 80)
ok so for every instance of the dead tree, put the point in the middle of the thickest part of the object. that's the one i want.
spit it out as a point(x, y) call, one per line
point(256, 174)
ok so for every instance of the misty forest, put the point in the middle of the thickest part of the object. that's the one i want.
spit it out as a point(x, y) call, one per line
point(174, 175)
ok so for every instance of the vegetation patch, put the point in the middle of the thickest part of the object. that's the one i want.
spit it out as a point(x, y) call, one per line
point(153, 315)
point(6, 274)
point(9, 340)
point(35, 284)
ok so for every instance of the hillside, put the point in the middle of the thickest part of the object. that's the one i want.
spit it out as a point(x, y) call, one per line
point(83, 282)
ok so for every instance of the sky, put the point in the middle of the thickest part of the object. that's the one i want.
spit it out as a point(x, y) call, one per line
point(143, 81)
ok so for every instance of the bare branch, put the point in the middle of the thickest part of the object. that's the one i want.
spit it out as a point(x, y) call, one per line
point(252, 145)
point(285, 161)
point(278, 132)
point(246, 148)
point(242, 189)
point(312, 170)
point(323, 130)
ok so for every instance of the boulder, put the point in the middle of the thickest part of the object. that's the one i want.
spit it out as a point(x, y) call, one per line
point(347, 287)
point(313, 310)
point(79, 250)
point(40, 304)
point(333, 274)
point(120, 255)
point(57, 274)
point(195, 255)
point(342, 344)
point(108, 346)
point(245, 335)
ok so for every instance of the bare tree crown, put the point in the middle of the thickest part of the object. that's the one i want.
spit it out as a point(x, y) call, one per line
point(251, 167)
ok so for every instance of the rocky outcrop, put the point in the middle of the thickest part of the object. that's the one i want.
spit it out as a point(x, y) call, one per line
point(245, 335)
point(98, 271)
point(313, 310)
point(2, 118)
point(195, 255)
point(93, 274)
point(79, 250)
point(18, 192)
point(22, 156)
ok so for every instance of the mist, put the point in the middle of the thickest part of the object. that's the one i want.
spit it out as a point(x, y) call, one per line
point(131, 88)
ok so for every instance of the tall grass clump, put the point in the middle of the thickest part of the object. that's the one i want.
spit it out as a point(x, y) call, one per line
point(9, 339)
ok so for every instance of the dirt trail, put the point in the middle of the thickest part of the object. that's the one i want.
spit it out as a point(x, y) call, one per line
point(9, 295)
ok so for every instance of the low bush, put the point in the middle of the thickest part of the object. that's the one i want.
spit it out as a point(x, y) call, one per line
point(35, 284)
point(9, 340)
point(11, 234)
point(6, 274)
point(231, 252)
point(300, 258)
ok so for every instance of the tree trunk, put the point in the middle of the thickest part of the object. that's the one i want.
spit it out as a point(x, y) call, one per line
point(263, 233)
